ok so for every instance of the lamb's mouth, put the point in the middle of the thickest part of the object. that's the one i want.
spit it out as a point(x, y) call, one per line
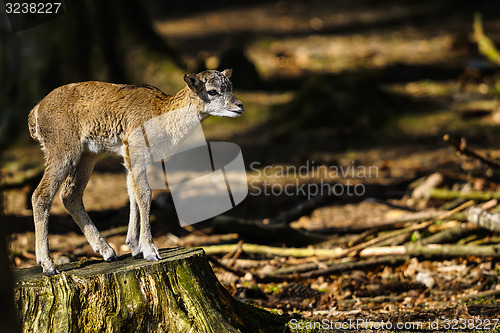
point(237, 111)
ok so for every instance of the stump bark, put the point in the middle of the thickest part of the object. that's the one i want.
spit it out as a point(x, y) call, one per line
point(179, 293)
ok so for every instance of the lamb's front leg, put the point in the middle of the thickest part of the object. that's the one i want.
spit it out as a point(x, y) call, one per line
point(142, 193)
point(133, 226)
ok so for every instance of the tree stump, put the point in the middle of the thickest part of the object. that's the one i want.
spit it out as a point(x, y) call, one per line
point(179, 293)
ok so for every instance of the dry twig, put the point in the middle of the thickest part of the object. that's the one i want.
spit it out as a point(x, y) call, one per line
point(443, 194)
point(356, 249)
point(350, 266)
point(488, 293)
point(462, 148)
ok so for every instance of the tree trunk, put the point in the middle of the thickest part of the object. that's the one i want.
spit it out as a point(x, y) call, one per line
point(179, 293)
point(8, 323)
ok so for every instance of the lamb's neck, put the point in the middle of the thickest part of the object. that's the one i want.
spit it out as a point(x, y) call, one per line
point(179, 120)
point(180, 100)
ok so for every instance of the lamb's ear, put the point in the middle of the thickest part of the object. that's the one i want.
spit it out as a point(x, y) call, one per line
point(227, 73)
point(193, 82)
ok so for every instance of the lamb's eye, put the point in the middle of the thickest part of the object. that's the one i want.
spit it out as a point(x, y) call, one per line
point(212, 92)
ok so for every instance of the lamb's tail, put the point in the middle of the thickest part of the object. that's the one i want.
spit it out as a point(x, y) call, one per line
point(32, 122)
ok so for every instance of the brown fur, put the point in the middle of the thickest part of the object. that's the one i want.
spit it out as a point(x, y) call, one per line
point(77, 122)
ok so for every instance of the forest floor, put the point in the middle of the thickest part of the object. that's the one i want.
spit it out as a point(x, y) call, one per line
point(339, 96)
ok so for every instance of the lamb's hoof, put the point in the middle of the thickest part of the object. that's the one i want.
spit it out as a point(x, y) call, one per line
point(50, 271)
point(108, 254)
point(152, 253)
point(152, 257)
point(137, 254)
point(114, 257)
point(135, 249)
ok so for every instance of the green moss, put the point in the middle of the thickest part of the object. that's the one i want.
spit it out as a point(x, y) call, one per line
point(274, 289)
point(482, 301)
point(176, 294)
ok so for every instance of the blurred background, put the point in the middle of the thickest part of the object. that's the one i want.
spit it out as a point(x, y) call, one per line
point(360, 82)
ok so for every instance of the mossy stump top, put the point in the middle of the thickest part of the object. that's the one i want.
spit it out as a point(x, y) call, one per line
point(178, 293)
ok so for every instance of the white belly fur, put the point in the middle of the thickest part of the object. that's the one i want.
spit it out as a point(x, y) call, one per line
point(104, 145)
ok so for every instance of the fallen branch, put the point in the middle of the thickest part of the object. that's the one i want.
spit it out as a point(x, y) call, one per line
point(309, 266)
point(423, 191)
point(443, 194)
point(462, 148)
point(351, 266)
point(397, 240)
point(447, 236)
point(488, 293)
point(356, 249)
point(485, 44)
point(391, 255)
point(275, 251)
point(236, 254)
point(30, 177)
point(219, 264)
point(466, 178)
point(81, 240)
point(331, 253)
point(290, 273)
point(193, 240)
point(434, 250)
point(484, 219)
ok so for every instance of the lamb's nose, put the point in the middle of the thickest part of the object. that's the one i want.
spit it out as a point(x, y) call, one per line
point(240, 105)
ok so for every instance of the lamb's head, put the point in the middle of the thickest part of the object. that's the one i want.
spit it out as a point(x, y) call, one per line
point(214, 93)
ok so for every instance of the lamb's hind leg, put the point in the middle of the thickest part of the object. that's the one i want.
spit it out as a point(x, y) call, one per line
point(41, 200)
point(71, 196)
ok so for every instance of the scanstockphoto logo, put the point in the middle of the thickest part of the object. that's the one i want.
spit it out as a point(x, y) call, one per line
point(310, 180)
point(205, 179)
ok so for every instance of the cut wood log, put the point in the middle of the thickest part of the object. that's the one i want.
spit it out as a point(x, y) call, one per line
point(179, 293)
